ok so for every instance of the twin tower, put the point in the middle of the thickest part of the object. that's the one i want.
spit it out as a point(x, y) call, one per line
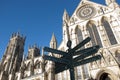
point(14, 66)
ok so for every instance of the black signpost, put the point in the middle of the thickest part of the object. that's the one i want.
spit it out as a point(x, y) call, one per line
point(73, 58)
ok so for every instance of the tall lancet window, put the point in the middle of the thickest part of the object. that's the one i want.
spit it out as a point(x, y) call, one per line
point(95, 38)
point(109, 31)
point(79, 36)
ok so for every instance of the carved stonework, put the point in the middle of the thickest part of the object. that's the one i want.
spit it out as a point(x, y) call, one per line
point(117, 55)
point(86, 11)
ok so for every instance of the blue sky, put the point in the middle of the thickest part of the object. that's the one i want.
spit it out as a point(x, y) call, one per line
point(35, 19)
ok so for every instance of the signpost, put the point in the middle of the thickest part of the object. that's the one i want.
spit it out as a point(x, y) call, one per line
point(68, 59)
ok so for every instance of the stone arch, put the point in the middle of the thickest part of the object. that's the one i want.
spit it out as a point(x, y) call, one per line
point(104, 17)
point(78, 33)
point(106, 24)
point(91, 27)
point(106, 74)
point(23, 67)
point(28, 66)
point(37, 64)
point(115, 24)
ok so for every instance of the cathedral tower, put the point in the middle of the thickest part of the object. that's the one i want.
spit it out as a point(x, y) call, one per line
point(13, 55)
point(33, 52)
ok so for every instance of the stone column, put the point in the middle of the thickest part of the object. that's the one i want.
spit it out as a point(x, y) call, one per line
point(51, 72)
point(11, 77)
point(44, 77)
point(82, 72)
point(76, 74)
point(3, 75)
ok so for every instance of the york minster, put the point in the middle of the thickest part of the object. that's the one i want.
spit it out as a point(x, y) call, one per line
point(90, 19)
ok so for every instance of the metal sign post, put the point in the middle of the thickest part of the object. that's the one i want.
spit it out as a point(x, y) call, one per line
point(68, 61)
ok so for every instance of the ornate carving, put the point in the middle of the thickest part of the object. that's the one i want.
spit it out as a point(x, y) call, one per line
point(86, 11)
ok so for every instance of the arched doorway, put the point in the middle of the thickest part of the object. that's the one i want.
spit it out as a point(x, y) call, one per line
point(105, 76)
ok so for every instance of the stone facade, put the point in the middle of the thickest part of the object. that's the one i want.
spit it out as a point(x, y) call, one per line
point(15, 66)
point(100, 22)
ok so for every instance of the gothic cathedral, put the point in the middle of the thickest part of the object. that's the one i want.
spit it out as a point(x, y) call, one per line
point(90, 19)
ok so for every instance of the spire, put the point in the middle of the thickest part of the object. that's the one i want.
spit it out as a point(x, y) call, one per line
point(53, 42)
point(53, 39)
point(65, 24)
point(65, 16)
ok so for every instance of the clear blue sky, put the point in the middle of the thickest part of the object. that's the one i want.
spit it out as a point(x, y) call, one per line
point(35, 19)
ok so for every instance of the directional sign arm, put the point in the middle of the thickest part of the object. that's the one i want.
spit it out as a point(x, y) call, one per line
point(88, 60)
point(54, 51)
point(61, 68)
point(85, 50)
point(81, 44)
point(57, 64)
point(56, 59)
point(84, 55)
